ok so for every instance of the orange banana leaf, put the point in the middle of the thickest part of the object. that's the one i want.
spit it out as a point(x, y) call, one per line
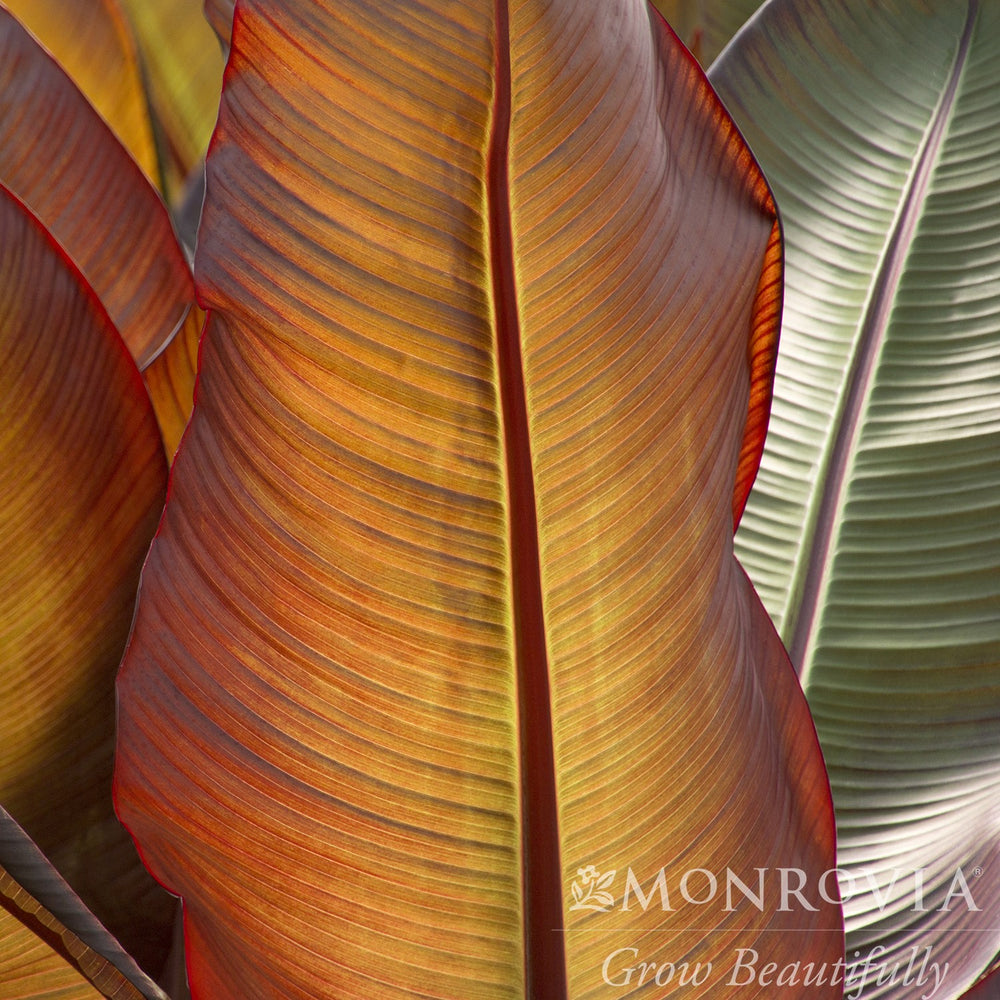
point(82, 480)
point(94, 44)
point(442, 654)
point(95, 201)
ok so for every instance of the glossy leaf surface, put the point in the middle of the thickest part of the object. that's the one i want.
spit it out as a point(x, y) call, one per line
point(51, 946)
point(443, 616)
point(94, 199)
point(874, 530)
point(82, 478)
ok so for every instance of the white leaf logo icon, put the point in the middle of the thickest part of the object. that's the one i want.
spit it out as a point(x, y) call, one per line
point(590, 887)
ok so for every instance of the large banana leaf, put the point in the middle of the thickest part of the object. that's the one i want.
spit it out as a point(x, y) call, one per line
point(874, 529)
point(442, 635)
point(82, 479)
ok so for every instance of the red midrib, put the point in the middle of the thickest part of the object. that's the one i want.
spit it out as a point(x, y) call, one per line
point(545, 965)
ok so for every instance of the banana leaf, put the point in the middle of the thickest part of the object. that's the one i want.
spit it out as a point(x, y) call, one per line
point(95, 45)
point(82, 481)
point(442, 659)
point(873, 534)
point(95, 201)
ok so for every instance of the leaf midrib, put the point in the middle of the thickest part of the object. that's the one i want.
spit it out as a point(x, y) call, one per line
point(832, 483)
point(544, 953)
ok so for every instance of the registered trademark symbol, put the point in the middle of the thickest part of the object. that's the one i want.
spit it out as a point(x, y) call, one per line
point(977, 872)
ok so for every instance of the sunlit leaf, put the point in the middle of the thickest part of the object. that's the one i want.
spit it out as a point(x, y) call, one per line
point(94, 44)
point(91, 197)
point(82, 477)
point(874, 529)
point(444, 606)
point(184, 65)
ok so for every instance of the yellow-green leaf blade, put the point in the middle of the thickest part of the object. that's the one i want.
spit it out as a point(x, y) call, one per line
point(184, 67)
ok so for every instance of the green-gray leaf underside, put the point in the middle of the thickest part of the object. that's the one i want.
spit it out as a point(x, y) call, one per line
point(873, 534)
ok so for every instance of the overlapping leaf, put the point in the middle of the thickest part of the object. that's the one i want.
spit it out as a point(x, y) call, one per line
point(219, 13)
point(51, 946)
point(444, 608)
point(184, 66)
point(170, 379)
point(95, 46)
point(82, 477)
point(706, 26)
point(97, 204)
point(93, 188)
point(873, 531)
point(151, 68)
